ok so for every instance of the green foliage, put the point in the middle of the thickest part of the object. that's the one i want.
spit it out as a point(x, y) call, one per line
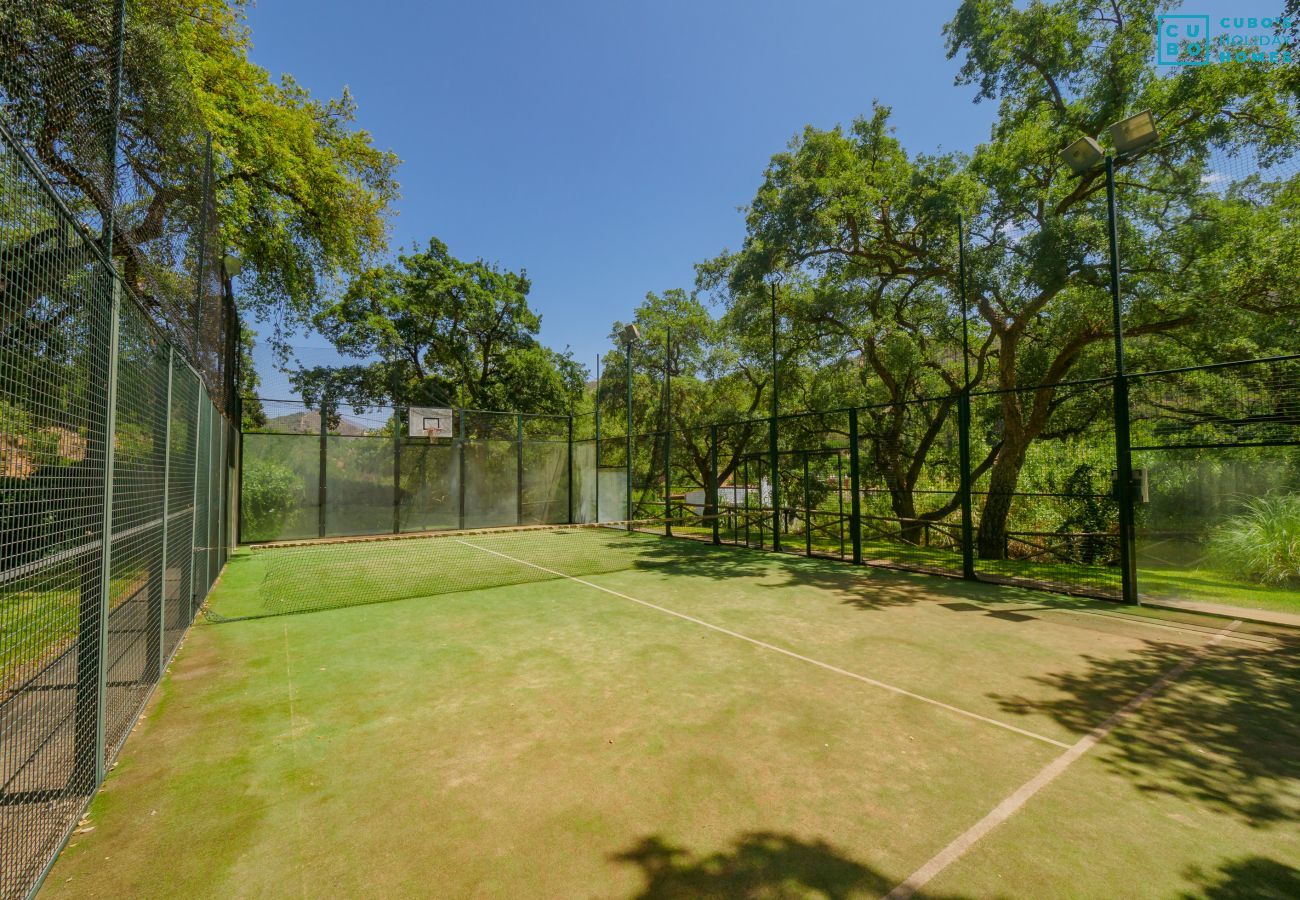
point(269, 493)
point(449, 332)
point(1263, 542)
point(302, 192)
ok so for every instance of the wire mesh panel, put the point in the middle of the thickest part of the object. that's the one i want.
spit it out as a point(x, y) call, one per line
point(1217, 454)
point(280, 478)
point(97, 501)
point(359, 484)
point(690, 497)
point(585, 484)
point(544, 486)
point(56, 64)
point(490, 479)
point(1045, 512)
point(909, 483)
point(429, 486)
point(744, 488)
point(177, 608)
point(54, 361)
point(135, 591)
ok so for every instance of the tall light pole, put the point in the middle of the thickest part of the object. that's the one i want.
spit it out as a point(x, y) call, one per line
point(1130, 136)
point(630, 335)
point(963, 413)
point(771, 437)
point(596, 398)
point(668, 433)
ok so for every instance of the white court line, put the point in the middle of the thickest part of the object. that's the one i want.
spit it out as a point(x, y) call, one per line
point(1008, 807)
point(766, 646)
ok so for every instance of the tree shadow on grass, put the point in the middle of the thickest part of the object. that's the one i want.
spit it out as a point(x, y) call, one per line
point(756, 865)
point(1223, 737)
point(1249, 878)
point(863, 587)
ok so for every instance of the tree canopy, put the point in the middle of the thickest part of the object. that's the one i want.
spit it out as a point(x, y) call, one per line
point(443, 331)
point(302, 193)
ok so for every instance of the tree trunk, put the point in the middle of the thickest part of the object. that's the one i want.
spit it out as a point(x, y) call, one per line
point(991, 540)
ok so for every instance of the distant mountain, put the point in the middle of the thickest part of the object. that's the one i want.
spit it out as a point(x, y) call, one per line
point(308, 422)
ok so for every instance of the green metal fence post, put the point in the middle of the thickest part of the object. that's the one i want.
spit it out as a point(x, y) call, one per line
point(627, 512)
point(239, 480)
point(93, 606)
point(519, 468)
point(321, 486)
point(460, 455)
point(713, 481)
point(855, 500)
point(106, 530)
point(570, 463)
point(397, 471)
point(194, 500)
point(158, 582)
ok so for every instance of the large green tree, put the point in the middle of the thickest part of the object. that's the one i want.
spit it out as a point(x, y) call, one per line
point(444, 331)
point(1203, 249)
point(302, 193)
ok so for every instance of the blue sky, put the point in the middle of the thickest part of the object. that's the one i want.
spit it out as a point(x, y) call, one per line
point(606, 146)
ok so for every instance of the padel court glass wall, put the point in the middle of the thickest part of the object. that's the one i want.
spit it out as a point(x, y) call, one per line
point(319, 472)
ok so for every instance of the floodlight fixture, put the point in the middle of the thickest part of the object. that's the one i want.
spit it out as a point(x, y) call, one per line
point(1134, 133)
point(1082, 155)
point(631, 335)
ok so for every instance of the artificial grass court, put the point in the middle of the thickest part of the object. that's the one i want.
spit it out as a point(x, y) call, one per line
point(680, 720)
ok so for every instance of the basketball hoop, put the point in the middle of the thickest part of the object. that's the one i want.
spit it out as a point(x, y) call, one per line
point(432, 434)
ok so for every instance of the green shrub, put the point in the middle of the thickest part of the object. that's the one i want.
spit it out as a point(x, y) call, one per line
point(1262, 543)
point(270, 493)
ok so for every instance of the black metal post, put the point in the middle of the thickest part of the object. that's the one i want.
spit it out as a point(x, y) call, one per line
point(855, 502)
point(963, 417)
point(321, 485)
point(627, 512)
point(570, 462)
point(519, 468)
point(668, 434)
point(772, 442)
point(460, 480)
point(597, 406)
point(713, 481)
point(397, 470)
point(1123, 455)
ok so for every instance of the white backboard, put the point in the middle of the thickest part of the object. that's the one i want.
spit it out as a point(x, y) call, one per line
point(423, 418)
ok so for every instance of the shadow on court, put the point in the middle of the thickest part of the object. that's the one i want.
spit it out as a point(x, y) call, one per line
point(1251, 878)
point(1223, 736)
point(863, 587)
point(757, 864)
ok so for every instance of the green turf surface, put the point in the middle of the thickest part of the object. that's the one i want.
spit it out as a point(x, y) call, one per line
point(545, 738)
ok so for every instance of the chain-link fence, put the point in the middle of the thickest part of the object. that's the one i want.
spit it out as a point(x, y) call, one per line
point(116, 457)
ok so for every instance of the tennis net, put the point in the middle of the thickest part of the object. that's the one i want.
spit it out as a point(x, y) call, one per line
point(308, 577)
